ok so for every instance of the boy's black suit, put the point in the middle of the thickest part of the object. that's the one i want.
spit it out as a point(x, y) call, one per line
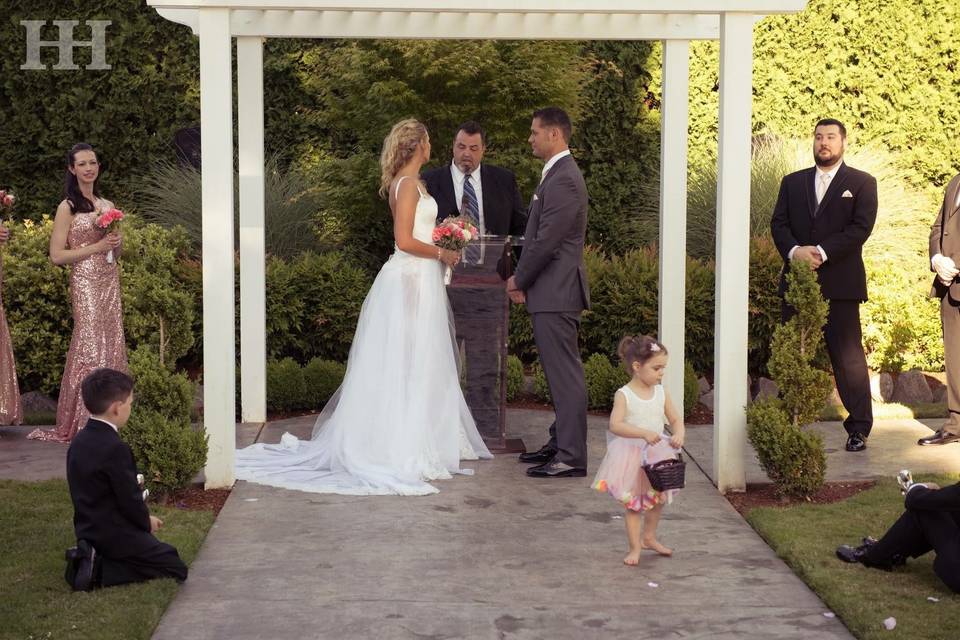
point(109, 512)
point(931, 522)
point(840, 224)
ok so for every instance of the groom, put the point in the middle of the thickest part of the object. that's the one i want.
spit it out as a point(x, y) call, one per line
point(552, 281)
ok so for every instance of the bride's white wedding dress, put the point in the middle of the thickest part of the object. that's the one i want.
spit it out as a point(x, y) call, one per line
point(399, 418)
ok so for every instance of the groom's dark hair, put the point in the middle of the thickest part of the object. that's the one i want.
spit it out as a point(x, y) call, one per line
point(472, 128)
point(555, 117)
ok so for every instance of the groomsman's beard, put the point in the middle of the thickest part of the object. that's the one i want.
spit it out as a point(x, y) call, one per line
point(828, 161)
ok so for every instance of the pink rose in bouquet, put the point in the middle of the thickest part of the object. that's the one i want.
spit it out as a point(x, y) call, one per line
point(109, 220)
point(453, 234)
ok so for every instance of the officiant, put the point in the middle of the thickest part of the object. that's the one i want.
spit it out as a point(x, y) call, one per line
point(484, 192)
point(489, 195)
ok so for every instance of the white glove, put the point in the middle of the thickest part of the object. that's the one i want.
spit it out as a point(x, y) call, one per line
point(945, 267)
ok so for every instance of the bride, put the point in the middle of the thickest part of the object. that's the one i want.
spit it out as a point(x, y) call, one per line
point(399, 418)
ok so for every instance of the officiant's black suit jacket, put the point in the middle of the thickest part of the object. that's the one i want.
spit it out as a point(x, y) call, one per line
point(840, 224)
point(503, 210)
point(108, 507)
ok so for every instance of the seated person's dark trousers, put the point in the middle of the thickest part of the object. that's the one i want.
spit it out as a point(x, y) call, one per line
point(931, 522)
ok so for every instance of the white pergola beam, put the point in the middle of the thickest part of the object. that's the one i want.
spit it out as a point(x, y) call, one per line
point(672, 247)
point(272, 23)
point(253, 320)
point(216, 148)
point(733, 251)
point(504, 6)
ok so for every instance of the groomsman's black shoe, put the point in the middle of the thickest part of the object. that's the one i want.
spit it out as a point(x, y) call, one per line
point(542, 456)
point(856, 442)
point(80, 563)
point(556, 469)
point(851, 554)
point(939, 437)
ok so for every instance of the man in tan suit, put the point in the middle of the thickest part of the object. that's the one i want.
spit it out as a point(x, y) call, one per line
point(944, 252)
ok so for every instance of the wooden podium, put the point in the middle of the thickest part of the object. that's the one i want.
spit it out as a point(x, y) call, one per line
point(481, 311)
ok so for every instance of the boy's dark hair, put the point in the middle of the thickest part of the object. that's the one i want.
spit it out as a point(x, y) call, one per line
point(638, 349)
point(472, 128)
point(555, 117)
point(826, 122)
point(103, 387)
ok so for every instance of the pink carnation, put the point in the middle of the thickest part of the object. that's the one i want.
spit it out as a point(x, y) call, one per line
point(109, 217)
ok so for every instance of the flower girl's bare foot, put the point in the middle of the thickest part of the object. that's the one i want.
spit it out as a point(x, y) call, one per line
point(632, 559)
point(656, 546)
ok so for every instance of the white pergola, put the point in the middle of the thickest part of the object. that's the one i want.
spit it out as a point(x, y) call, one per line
point(675, 22)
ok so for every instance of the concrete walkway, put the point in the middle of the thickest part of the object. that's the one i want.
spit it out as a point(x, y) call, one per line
point(497, 555)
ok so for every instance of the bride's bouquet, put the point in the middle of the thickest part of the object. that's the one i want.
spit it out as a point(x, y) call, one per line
point(453, 234)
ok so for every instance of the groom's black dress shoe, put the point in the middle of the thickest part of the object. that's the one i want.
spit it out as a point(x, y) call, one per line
point(856, 442)
point(542, 456)
point(940, 437)
point(80, 565)
point(555, 469)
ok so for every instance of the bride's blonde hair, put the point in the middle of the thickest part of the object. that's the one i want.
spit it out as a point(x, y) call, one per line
point(398, 148)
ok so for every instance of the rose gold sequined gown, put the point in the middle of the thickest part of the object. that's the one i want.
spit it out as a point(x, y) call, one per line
point(10, 412)
point(97, 328)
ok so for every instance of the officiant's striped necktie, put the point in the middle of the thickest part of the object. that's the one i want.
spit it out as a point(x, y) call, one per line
point(469, 206)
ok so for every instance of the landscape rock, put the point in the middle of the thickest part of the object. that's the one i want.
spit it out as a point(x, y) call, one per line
point(912, 388)
point(881, 387)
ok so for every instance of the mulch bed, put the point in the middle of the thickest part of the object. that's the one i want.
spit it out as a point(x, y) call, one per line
point(699, 415)
point(764, 495)
point(195, 498)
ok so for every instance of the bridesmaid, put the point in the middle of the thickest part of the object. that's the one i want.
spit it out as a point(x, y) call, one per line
point(94, 289)
point(10, 412)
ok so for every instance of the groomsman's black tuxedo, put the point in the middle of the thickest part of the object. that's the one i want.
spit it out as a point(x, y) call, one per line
point(109, 512)
point(503, 210)
point(840, 224)
point(931, 522)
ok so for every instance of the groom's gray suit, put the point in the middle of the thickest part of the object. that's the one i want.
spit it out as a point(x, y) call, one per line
point(552, 275)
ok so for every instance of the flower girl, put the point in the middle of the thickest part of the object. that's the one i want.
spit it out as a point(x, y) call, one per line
point(636, 437)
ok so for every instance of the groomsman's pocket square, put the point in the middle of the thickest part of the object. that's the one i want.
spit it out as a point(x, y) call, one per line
point(536, 197)
point(847, 194)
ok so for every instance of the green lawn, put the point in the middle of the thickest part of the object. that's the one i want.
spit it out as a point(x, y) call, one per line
point(806, 536)
point(35, 601)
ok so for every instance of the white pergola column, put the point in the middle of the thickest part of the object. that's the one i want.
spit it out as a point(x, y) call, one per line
point(673, 211)
point(219, 360)
point(733, 250)
point(253, 320)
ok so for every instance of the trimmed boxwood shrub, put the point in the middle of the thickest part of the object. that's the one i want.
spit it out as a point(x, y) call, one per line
point(168, 449)
point(691, 389)
point(321, 379)
point(514, 377)
point(285, 385)
point(603, 379)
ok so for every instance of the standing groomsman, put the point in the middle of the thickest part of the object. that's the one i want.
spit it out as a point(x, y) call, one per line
point(823, 215)
point(944, 245)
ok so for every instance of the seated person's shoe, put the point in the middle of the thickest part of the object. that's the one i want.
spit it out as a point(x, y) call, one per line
point(851, 554)
point(856, 442)
point(556, 470)
point(939, 437)
point(80, 564)
point(542, 456)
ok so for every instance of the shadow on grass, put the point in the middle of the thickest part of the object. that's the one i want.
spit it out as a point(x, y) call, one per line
point(35, 601)
point(806, 537)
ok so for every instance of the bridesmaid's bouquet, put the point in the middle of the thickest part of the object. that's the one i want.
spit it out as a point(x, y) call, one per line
point(453, 234)
point(109, 220)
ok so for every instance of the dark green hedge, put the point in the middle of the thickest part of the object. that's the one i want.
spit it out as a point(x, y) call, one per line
point(129, 113)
